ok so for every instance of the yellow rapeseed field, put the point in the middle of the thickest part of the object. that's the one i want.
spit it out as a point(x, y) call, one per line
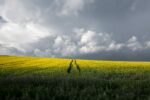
point(27, 66)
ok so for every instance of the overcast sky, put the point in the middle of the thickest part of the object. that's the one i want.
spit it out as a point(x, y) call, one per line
point(89, 29)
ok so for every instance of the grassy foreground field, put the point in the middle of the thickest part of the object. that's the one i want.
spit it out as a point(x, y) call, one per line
point(29, 78)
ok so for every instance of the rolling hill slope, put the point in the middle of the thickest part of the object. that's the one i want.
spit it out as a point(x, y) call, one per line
point(54, 78)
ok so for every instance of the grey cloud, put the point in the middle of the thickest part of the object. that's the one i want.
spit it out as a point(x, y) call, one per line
point(116, 16)
point(82, 42)
point(122, 55)
point(147, 44)
point(6, 50)
point(134, 44)
point(111, 28)
point(2, 20)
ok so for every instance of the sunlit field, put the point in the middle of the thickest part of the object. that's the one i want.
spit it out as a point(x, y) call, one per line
point(31, 78)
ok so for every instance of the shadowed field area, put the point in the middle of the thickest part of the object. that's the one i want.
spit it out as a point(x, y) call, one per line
point(29, 78)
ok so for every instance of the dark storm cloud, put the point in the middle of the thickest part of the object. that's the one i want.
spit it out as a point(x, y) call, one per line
point(93, 29)
point(125, 18)
point(1, 2)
